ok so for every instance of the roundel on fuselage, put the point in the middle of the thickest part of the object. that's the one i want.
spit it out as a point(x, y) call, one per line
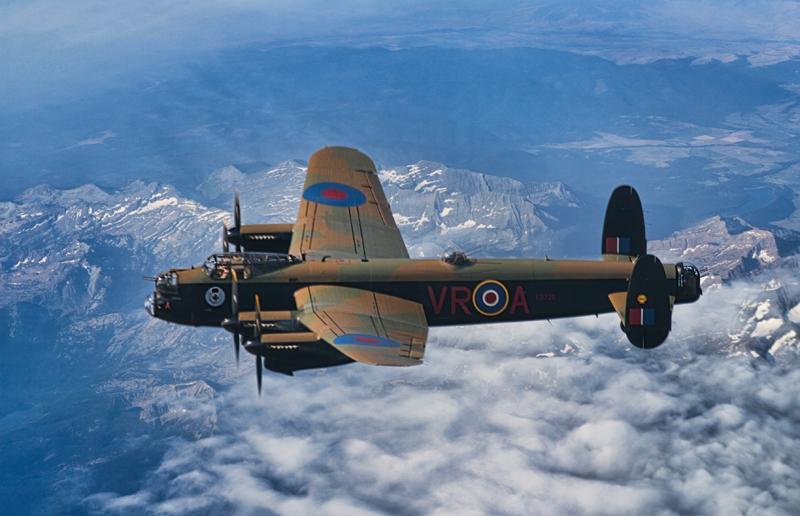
point(490, 298)
point(339, 195)
point(215, 296)
point(359, 339)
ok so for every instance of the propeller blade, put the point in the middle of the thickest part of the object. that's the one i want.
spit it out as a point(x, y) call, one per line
point(237, 217)
point(257, 331)
point(224, 237)
point(258, 319)
point(258, 373)
point(235, 311)
point(234, 293)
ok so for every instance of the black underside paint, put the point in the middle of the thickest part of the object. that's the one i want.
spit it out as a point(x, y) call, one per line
point(287, 359)
point(445, 303)
point(527, 300)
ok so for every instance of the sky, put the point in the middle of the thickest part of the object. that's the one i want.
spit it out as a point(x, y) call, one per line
point(49, 49)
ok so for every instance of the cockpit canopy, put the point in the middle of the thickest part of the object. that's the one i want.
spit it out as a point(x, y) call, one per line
point(167, 283)
point(246, 265)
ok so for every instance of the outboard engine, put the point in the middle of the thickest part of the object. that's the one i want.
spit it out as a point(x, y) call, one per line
point(262, 238)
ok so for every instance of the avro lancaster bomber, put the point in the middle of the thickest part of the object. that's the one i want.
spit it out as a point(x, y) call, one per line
point(338, 286)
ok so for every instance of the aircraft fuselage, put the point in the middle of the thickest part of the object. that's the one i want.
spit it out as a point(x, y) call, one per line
point(479, 291)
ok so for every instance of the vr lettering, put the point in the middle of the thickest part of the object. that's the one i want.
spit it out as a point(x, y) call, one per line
point(461, 301)
point(437, 305)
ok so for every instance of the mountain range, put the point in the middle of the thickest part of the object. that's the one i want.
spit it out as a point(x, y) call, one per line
point(105, 387)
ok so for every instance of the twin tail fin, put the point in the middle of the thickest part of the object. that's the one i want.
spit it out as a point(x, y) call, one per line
point(623, 229)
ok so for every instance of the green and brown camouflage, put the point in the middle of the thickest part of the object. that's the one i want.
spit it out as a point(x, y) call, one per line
point(343, 289)
point(367, 231)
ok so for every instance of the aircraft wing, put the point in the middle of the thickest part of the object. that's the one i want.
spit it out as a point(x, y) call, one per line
point(365, 326)
point(343, 211)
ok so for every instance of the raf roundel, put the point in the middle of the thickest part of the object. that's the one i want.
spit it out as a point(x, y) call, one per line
point(215, 296)
point(358, 339)
point(490, 298)
point(334, 194)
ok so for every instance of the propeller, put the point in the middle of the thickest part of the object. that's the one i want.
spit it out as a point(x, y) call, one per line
point(235, 310)
point(259, 373)
point(237, 219)
point(258, 319)
point(257, 331)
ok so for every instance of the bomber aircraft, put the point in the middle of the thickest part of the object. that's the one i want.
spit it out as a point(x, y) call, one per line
point(338, 286)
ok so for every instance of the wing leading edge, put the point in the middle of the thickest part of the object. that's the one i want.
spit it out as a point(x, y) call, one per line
point(365, 326)
point(343, 211)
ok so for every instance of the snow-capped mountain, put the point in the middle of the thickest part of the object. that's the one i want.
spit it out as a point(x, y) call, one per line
point(767, 310)
point(729, 248)
point(768, 318)
point(71, 301)
point(86, 239)
point(74, 260)
point(435, 207)
point(270, 196)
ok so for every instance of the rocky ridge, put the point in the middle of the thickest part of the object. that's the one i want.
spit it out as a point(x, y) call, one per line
point(71, 289)
point(435, 207)
point(434, 204)
point(729, 248)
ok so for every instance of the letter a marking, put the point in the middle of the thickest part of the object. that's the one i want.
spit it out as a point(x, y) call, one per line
point(519, 300)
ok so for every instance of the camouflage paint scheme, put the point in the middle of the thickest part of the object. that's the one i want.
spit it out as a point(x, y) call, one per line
point(365, 231)
point(351, 293)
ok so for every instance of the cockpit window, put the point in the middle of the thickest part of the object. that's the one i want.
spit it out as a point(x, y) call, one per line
point(167, 283)
point(246, 265)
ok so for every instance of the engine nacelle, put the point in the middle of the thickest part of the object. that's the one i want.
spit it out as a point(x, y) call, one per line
point(262, 238)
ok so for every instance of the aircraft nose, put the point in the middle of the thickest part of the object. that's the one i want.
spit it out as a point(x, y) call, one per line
point(156, 304)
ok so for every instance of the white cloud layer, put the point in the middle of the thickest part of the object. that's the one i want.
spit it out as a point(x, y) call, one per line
point(486, 427)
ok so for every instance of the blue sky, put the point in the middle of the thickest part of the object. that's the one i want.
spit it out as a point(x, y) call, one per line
point(49, 48)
